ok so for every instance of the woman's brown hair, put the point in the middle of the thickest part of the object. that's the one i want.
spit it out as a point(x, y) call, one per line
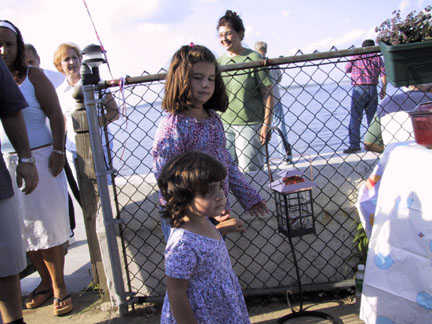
point(178, 92)
point(232, 19)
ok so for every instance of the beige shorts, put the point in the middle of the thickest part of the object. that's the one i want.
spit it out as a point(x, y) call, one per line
point(12, 251)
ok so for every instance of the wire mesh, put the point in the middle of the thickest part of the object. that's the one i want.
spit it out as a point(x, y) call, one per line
point(315, 99)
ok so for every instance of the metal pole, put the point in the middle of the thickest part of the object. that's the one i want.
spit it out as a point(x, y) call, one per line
point(115, 272)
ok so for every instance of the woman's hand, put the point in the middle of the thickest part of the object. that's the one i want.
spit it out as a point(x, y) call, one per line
point(264, 134)
point(27, 173)
point(231, 225)
point(259, 209)
point(56, 163)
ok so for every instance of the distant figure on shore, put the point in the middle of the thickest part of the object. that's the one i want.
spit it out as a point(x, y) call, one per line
point(249, 113)
point(392, 123)
point(365, 70)
point(194, 93)
point(32, 59)
point(278, 112)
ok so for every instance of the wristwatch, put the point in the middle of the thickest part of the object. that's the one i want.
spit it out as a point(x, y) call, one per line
point(29, 160)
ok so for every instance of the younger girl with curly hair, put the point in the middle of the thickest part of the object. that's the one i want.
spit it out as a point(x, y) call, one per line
point(201, 284)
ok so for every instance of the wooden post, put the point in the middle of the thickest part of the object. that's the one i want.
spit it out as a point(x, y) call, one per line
point(88, 193)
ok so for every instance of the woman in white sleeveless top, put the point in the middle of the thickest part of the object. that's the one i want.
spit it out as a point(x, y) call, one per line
point(45, 211)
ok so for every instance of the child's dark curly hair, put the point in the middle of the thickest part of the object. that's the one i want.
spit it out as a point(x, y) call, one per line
point(183, 178)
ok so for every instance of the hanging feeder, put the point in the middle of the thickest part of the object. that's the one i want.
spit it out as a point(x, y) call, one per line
point(294, 203)
point(295, 216)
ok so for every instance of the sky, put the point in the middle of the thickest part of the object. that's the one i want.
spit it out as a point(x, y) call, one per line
point(142, 35)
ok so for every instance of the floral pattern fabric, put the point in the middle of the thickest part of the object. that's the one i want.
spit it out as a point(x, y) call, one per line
point(213, 288)
point(177, 134)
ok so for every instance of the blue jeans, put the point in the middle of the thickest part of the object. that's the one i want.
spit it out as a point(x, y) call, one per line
point(279, 122)
point(244, 145)
point(364, 97)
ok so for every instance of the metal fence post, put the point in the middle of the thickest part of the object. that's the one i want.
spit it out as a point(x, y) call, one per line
point(113, 270)
point(110, 252)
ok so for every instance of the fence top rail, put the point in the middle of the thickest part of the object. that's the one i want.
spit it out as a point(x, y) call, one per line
point(252, 64)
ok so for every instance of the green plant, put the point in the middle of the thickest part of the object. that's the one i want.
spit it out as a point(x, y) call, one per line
point(415, 28)
point(362, 243)
point(92, 286)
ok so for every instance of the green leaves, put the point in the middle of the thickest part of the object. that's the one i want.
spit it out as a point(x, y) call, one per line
point(415, 28)
point(362, 242)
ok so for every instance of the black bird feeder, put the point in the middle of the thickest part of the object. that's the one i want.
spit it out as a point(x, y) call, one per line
point(295, 217)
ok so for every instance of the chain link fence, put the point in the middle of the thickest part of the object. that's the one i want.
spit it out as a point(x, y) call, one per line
point(315, 99)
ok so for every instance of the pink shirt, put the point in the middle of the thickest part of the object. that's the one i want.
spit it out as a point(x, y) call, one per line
point(365, 69)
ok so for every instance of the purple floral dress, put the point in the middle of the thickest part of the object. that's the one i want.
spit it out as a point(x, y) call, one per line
point(213, 289)
point(177, 134)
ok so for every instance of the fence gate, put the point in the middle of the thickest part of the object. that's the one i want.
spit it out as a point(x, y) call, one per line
point(315, 95)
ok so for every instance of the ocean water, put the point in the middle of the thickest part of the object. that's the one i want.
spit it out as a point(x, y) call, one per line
point(317, 118)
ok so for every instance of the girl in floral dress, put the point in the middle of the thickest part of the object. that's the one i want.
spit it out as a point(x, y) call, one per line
point(201, 284)
point(194, 91)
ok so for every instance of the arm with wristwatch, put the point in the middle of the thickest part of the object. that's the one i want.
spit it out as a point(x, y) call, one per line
point(15, 129)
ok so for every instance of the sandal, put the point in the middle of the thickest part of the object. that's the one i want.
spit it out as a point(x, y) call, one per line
point(38, 298)
point(65, 309)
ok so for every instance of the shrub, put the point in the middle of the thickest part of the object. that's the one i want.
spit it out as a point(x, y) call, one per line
point(415, 28)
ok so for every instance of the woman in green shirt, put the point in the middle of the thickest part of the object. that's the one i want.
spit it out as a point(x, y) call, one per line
point(248, 116)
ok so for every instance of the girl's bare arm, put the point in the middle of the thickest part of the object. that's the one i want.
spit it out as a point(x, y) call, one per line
point(180, 306)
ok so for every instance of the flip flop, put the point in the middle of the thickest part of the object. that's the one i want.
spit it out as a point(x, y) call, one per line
point(65, 309)
point(38, 298)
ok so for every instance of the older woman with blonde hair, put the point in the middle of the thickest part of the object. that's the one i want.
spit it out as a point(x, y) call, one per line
point(67, 60)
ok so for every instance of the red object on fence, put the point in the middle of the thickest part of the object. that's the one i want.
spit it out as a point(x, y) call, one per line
point(421, 119)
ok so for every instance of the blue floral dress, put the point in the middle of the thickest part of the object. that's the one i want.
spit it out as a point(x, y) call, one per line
point(213, 290)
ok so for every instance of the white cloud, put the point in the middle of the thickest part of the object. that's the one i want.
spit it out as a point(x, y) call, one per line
point(346, 40)
point(403, 5)
point(249, 31)
point(285, 13)
point(151, 28)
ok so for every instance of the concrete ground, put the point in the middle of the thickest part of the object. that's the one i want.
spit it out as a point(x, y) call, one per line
point(89, 308)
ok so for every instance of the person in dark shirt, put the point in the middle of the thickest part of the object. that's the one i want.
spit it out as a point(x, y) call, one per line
point(13, 258)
